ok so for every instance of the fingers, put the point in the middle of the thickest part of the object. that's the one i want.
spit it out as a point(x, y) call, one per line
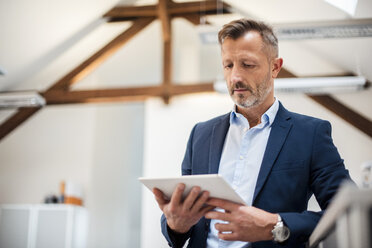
point(190, 199)
point(159, 197)
point(226, 231)
point(228, 236)
point(224, 204)
point(218, 216)
point(200, 203)
point(206, 209)
point(224, 227)
point(177, 195)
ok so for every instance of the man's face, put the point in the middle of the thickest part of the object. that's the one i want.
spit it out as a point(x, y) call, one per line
point(247, 70)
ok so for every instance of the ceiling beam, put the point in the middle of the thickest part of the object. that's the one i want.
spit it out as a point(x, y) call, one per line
point(194, 19)
point(131, 11)
point(197, 7)
point(99, 57)
point(347, 114)
point(210, 7)
point(167, 69)
point(16, 119)
point(123, 94)
point(141, 16)
point(164, 18)
point(77, 74)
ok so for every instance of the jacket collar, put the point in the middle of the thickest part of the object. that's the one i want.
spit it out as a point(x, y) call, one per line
point(277, 137)
point(279, 132)
point(218, 136)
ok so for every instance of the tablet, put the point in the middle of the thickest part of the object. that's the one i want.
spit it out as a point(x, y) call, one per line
point(214, 183)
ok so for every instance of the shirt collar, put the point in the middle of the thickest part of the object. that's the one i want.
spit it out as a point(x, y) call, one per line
point(267, 117)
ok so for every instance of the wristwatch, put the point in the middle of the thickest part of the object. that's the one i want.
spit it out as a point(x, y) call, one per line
point(280, 231)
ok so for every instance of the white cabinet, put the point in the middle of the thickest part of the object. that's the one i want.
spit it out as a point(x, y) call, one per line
point(43, 226)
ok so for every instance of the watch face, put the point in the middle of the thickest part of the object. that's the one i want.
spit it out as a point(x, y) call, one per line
point(281, 233)
point(284, 232)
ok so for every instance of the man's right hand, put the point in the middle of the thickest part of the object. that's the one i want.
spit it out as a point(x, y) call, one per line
point(182, 215)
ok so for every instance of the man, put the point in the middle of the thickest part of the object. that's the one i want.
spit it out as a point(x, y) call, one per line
point(273, 158)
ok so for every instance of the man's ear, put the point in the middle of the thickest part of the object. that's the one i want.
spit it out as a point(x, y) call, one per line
point(276, 66)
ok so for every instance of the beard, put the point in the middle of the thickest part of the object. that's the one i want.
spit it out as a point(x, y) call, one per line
point(256, 96)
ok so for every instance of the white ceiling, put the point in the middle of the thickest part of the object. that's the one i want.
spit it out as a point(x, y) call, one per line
point(35, 33)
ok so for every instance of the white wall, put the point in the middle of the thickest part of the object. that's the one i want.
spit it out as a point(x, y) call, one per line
point(42, 152)
point(167, 129)
point(117, 163)
point(98, 146)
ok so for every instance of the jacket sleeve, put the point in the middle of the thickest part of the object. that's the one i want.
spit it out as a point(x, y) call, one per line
point(177, 239)
point(327, 172)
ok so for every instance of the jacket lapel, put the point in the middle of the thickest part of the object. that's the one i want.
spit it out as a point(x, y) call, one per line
point(218, 136)
point(278, 135)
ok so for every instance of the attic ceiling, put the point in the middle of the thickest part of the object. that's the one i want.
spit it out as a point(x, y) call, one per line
point(49, 40)
point(53, 29)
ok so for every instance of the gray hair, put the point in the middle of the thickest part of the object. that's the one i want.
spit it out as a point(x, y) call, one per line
point(238, 28)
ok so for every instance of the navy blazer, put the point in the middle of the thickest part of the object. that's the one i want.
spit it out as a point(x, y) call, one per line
point(300, 160)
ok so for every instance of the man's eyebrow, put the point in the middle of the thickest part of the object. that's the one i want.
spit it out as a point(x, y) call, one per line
point(248, 58)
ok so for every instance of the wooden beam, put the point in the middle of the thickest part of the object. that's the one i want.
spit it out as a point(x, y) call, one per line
point(15, 120)
point(194, 18)
point(182, 89)
point(132, 11)
point(163, 14)
point(101, 95)
point(164, 18)
point(197, 7)
point(338, 108)
point(59, 92)
point(347, 114)
point(210, 7)
point(123, 94)
point(99, 57)
point(77, 74)
point(167, 69)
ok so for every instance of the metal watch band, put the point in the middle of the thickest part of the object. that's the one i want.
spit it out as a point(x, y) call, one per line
point(280, 231)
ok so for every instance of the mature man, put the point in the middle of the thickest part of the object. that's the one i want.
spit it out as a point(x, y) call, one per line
point(273, 158)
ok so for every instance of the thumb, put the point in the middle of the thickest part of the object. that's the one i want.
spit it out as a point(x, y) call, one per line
point(160, 197)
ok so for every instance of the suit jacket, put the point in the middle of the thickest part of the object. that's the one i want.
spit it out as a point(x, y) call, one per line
point(300, 160)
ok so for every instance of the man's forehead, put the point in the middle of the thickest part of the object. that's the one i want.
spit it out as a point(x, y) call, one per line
point(250, 41)
point(248, 36)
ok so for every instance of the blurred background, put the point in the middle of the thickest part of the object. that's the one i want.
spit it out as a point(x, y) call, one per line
point(104, 144)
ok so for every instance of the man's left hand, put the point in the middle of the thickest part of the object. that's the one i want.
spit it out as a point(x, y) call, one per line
point(245, 223)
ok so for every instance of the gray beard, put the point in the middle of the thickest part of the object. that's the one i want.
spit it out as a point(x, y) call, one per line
point(253, 100)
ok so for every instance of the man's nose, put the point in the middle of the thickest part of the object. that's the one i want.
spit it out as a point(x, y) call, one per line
point(236, 75)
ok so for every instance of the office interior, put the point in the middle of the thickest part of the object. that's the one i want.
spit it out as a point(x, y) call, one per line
point(120, 104)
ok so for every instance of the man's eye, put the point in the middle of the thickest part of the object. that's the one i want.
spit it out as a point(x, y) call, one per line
point(228, 66)
point(247, 65)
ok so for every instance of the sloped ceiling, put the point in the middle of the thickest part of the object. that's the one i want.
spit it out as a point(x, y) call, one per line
point(35, 33)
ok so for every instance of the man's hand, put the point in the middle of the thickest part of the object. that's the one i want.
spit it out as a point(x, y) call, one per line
point(245, 223)
point(182, 215)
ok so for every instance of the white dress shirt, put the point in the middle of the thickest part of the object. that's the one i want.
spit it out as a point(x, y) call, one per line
point(240, 163)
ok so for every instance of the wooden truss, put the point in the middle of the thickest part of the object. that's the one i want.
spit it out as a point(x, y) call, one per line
point(141, 16)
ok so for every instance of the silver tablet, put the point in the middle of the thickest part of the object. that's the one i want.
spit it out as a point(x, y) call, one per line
point(214, 183)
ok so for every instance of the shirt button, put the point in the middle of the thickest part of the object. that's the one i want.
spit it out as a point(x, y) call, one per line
point(241, 157)
point(245, 129)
